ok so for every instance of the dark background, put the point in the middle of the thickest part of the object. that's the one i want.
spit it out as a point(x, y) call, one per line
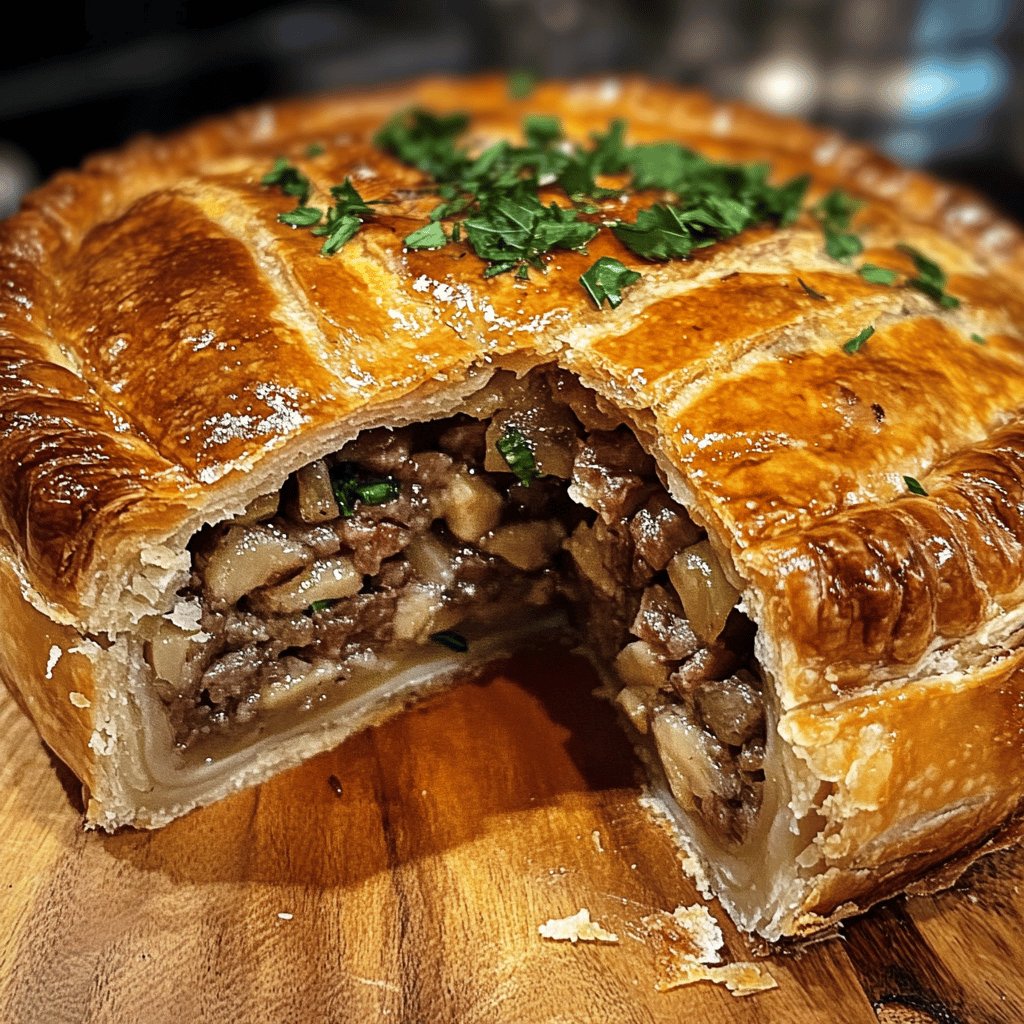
point(932, 82)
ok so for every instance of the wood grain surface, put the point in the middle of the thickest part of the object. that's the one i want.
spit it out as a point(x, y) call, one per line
point(402, 878)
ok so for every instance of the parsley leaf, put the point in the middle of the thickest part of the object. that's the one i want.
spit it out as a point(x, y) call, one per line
point(452, 640)
point(605, 280)
point(315, 149)
point(856, 343)
point(521, 84)
point(515, 230)
point(659, 233)
point(430, 236)
point(349, 492)
point(877, 275)
point(834, 213)
point(541, 129)
point(319, 606)
point(301, 216)
point(425, 140)
point(717, 201)
point(518, 455)
point(661, 165)
point(344, 219)
point(289, 179)
point(337, 231)
point(930, 279)
point(377, 492)
point(914, 486)
point(811, 291)
point(978, 339)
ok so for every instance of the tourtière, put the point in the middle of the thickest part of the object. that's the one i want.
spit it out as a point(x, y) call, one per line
point(309, 409)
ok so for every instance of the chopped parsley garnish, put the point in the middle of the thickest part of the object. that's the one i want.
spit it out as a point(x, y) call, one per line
point(978, 339)
point(659, 233)
point(605, 280)
point(452, 640)
point(315, 149)
point(289, 179)
point(497, 192)
point(930, 278)
point(877, 275)
point(301, 216)
point(342, 221)
point(430, 236)
point(518, 455)
point(716, 201)
point(914, 486)
point(856, 343)
point(319, 606)
point(426, 141)
point(814, 294)
point(834, 212)
point(521, 84)
point(349, 491)
point(514, 231)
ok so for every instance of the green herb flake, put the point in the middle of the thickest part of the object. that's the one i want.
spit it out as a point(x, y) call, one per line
point(452, 640)
point(978, 339)
point(834, 213)
point(605, 280)
point(659, 233)
point(542, 129)
point(426, 141)
point(337, 231)
point(377, 492)
point(289, 179)
point(516, 230)
point(350, 492)
point(301, 216)
point(315, 149)
point(430, 236)
point(930, 278)
point(521, 84)
point(856, 343)
point(877, 275)
point(717, 201)
point(344, 219)
point(319, 606)
point(914, 486)
point(813, 293)
point(518, 455)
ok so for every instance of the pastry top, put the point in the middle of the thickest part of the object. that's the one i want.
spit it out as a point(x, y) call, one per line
point(168, 348)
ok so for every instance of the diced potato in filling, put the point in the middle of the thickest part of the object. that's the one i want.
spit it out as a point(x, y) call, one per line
point(437, 533)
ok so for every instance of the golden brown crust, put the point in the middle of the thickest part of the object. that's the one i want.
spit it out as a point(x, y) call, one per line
point(163, 264)
point(167, 348)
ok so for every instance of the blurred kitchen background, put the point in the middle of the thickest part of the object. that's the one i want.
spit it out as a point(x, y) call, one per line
point(932, 82)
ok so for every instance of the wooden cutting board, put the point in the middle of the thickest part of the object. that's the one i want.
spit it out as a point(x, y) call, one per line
point(402, 878)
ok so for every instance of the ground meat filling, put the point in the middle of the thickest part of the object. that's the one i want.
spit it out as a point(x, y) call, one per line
point(436, 532)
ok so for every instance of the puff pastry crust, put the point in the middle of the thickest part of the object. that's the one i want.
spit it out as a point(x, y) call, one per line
point(168, 351)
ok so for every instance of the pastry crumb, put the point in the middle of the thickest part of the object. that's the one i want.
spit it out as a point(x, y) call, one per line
point(576, 928)
point(688, 949)
point(284, 915)
point(79, 699)
point(52, 659)
point(741, 978)
point(596, 837)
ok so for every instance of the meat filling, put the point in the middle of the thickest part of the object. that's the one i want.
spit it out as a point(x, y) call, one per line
point(438, 532)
